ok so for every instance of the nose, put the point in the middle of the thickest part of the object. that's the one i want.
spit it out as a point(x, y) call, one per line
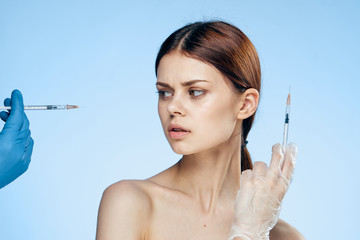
point(176, 106)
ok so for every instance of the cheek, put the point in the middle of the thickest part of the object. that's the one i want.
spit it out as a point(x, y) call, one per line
point(217, 120)
point(161, 112)
point(162, 116)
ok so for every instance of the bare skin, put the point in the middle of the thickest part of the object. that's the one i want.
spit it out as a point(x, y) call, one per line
point(193, 199)
point(140, 209)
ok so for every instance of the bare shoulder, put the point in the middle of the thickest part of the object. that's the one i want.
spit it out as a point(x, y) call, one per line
point(124, 210)
point(133, 190)
point(284, 231)
point(129, 194)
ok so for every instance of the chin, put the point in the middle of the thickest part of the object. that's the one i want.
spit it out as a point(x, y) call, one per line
point(182, 149)
point(188, 149)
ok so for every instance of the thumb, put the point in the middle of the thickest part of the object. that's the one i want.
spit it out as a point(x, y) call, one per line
point(16, 116)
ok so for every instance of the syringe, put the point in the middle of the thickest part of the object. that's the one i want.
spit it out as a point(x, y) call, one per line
point(44, 107)
point(287, 118)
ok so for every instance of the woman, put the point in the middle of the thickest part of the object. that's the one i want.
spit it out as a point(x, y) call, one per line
point(208, 80)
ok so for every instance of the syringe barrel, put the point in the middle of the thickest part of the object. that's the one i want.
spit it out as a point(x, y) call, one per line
point(44, 107)
point(285, 137)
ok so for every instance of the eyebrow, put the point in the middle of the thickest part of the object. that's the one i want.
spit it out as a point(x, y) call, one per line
point(189, 83)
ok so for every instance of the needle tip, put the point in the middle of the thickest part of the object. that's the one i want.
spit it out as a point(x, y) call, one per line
point(71, 106)
point(288, 101)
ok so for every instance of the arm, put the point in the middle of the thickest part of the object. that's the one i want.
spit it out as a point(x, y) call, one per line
point(123, 212)
point(284, 231)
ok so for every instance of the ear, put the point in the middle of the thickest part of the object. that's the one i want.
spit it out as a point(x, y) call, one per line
point(248, 103)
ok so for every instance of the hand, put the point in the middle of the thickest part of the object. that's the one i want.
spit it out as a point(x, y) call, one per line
point(262, 189)
point(16, 144)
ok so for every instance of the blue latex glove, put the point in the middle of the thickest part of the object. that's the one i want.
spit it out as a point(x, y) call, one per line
point(16, 144)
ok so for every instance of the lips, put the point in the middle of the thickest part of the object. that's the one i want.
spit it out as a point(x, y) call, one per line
point(177, 131)
point(177, 128)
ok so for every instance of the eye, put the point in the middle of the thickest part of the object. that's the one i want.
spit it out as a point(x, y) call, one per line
point(196, 93)
point(163, 94)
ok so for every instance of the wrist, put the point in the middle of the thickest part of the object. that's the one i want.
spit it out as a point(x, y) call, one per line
point(237, 233)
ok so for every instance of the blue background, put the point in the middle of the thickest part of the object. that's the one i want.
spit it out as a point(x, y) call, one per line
point(100, 55)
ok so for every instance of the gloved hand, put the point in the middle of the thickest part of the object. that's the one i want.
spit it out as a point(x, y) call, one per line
point(16, 144)
point(262, 189)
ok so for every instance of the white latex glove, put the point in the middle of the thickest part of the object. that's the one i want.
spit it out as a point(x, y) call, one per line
point(262, 189)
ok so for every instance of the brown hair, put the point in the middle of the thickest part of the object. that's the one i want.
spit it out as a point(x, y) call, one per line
point(229, 50)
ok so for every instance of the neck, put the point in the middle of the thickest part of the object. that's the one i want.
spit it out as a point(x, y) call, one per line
point(213, 176)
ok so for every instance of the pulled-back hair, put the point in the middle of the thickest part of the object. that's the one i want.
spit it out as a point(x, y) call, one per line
point(229, 50)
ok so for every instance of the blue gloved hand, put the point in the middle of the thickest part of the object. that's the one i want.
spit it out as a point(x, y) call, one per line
point(16, 144)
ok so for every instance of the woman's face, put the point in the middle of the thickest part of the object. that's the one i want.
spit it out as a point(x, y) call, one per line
point(194, 96)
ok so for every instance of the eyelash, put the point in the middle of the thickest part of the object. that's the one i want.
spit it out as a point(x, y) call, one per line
point(161, 93)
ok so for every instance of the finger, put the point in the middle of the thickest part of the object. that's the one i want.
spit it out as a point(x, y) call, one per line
point(16, 117)
point(246, 173)
point(7, 102)
point(17, 105)
point(246, 177)
point(27, 154)
point(260, 168)
point(26, 137)
point(4, 116)
point(277, 157)
point(26, 123)
point(290, 160)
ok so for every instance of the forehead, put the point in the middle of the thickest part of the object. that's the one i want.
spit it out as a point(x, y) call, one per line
point(176, 67)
